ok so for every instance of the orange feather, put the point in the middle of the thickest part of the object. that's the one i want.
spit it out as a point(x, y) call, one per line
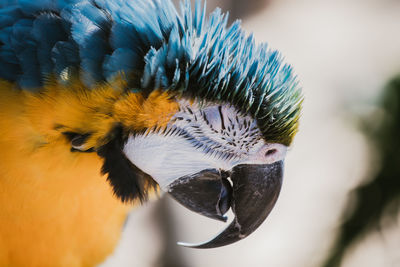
point(56, 209)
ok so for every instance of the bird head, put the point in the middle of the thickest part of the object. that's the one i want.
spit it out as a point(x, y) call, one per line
point(235, 109)
point(204, 113)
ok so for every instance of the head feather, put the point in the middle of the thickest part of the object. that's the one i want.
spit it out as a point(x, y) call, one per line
point(155, 47)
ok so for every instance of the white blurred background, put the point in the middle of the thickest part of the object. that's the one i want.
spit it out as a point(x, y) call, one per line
point(344, 52)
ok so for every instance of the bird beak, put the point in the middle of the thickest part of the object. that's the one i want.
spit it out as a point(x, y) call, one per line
point(253, 194)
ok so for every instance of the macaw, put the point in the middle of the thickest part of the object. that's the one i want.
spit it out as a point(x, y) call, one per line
point(105, 102)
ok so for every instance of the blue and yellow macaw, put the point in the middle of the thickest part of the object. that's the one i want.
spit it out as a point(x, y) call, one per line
point(132, 93)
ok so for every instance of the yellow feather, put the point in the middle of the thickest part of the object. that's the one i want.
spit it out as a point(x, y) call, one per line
point(56, 209)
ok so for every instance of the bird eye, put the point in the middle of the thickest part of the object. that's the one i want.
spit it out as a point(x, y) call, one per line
point(78, 141)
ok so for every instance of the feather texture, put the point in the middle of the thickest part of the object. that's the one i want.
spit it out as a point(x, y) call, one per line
point(156, 48)
point(56, 208)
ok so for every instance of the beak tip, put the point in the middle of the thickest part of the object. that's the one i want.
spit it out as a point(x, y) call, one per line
point(183, 244)
point(188, 245)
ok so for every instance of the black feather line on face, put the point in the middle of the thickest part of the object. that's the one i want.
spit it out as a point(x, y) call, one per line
point(128, 181)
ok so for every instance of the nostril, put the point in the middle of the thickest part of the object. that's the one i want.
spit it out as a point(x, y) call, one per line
point(270, 152)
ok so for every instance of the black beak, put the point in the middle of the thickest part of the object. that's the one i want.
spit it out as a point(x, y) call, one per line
point(206, 193)
point(254, 191)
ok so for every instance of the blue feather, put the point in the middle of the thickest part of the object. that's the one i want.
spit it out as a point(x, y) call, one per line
point(65, 55)
point(124, 35)
point(186, 52)
point(47, 30)
point(30, 7)
point(92, 53)
point(9, 16)
point(25, 49)
point(122, 60)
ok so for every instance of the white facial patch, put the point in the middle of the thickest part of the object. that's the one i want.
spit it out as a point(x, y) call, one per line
point(199, 138)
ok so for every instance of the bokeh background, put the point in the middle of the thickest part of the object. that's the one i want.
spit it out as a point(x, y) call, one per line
point(339, 205)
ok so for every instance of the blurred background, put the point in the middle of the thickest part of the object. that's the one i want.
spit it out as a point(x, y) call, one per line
point(339, 205)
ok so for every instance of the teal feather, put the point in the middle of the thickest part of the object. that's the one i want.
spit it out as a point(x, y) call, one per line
point(65, 55)
point(47, 22)
point(198, 57)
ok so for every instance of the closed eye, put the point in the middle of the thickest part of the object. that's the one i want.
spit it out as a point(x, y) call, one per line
point(270, 152)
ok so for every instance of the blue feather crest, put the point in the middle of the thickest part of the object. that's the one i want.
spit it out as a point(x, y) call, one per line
point(197, 56)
